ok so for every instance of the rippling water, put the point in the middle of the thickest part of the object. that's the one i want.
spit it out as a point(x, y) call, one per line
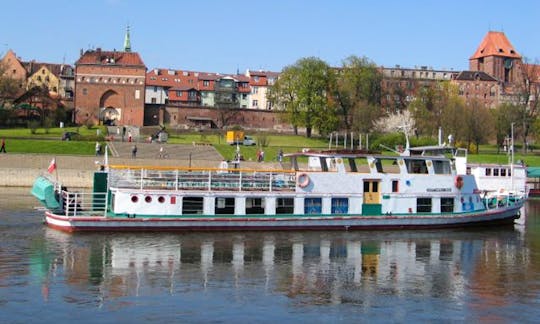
point(488, 275)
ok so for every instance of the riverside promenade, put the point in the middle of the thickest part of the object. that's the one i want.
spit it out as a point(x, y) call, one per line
point(20, 170)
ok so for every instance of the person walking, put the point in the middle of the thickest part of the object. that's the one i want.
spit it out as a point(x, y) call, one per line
point(98, 148)
point(134, 152)
point(3, 147)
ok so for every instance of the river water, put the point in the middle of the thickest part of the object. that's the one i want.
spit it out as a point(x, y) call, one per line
point(473, 275)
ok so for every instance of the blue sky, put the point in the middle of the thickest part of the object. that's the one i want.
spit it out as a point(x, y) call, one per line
point(226, 36)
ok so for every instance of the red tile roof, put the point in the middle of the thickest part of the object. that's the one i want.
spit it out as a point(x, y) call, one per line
point(110, 57)
point(182, 88)
point(495, 44)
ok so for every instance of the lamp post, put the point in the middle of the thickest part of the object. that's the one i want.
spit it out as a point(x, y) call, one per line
point(512, 156)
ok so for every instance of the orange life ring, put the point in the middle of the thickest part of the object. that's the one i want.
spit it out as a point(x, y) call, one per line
point(302, 180)
point(458, 182)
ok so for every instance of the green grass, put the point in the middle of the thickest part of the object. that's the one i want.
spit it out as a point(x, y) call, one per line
point(48, 133)
point(50, 146)
point(21, 140)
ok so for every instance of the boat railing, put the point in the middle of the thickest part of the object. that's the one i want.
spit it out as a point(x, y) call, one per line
point(84, 203)
point(202, 179)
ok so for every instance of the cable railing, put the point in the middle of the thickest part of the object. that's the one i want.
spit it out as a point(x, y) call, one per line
point(84, 203)
point(202, 179)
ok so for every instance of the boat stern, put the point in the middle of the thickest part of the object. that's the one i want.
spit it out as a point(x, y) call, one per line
point(44, 190)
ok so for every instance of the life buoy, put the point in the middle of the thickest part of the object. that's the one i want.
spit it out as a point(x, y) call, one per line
point(458, 182)
point(302, 180)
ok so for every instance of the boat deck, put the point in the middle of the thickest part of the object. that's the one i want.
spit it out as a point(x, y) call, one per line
point(202, 179)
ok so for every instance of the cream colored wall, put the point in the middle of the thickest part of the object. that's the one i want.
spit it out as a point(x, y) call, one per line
point(44, 73)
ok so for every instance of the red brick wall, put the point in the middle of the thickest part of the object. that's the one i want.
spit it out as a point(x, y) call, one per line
point(109, 86)
point(246, 118)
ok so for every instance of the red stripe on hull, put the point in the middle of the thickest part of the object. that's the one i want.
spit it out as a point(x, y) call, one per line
point(167, 228)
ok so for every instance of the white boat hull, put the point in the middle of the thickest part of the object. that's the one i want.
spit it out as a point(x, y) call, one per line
point(97, 223)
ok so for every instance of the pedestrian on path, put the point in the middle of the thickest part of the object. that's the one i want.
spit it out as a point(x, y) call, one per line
point(98, 148)
point(3, 148)
point(134, 152)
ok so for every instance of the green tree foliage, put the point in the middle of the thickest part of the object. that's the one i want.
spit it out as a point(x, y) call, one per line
point(479, 124)
point(301, 91)
point(357, 93)
point(9, 87)
point(503, 117)
point(527, 100)
point(439, 106)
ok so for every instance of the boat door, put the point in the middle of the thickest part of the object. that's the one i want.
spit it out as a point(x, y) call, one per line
point(372, 197)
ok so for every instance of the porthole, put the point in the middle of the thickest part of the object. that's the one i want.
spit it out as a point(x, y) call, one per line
point(134, 199)
point(148, 199)
point(161, 199)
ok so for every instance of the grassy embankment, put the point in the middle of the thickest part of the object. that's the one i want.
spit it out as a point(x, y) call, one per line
point(49, 142)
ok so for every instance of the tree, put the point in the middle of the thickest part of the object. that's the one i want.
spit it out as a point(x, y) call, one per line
point(357, 87)
point(399, 121)
point(9, 87)
point(479, 124)
point(503, 116)
point(528, 99)
point(439, 106)
point(302, 91)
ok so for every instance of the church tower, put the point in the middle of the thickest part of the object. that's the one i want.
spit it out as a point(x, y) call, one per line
point(497, 57)
point(127, 41)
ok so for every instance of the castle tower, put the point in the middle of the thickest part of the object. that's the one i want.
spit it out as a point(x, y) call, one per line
point(497, 57)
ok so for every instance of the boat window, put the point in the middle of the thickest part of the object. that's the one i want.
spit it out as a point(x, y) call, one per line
point(416, 166)
point(326, 164)
point(192, 205)
point(496, 172)
point(378, 165)
point(340, 205)
point(312, 205)
point(254, 206)
point(509, 172)
point(285, 206)
point(503, 172)
point(443, 167)
point(468, 171)
point(395, 186)
point(423, 205)
point(447, 204)
point(360, 164)
point(488, 171)
point(375, 187)
point(224, 206)
point(352, 165)
point(366, 186)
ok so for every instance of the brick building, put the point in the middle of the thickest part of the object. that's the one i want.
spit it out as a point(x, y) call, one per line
point(109, 87)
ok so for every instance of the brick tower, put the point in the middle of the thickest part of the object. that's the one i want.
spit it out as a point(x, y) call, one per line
point(497, 57)
point(109, 87)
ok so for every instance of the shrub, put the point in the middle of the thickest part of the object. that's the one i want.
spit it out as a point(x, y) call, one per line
point(263, 140)
point(33, 126)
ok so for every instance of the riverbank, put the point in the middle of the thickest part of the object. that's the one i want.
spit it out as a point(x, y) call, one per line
point(20, 170)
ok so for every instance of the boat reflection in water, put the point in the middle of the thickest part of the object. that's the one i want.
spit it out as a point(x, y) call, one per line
point(319, 268)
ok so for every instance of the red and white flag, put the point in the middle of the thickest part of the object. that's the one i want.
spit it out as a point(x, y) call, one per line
point(52, 166)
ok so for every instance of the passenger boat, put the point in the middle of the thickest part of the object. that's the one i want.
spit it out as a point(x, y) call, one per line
point(495, 179)
point(340, 190)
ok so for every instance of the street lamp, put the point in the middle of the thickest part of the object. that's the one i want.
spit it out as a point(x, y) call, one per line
point(512, 156)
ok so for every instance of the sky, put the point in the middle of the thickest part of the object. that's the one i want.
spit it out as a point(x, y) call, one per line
point(230, 36)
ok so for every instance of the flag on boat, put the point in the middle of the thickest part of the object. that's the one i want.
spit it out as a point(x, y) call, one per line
point(52, 166)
